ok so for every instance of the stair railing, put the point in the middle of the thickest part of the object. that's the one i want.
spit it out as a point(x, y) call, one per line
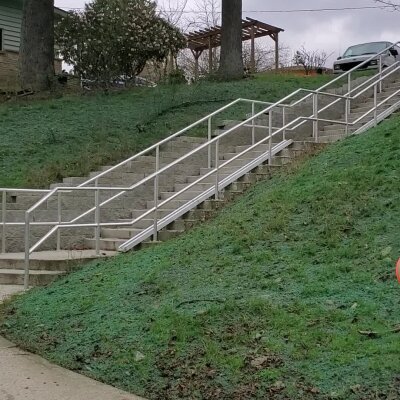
point(270, 109)
point(97, 224)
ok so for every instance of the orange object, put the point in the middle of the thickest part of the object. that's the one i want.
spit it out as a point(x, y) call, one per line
point(398, 270)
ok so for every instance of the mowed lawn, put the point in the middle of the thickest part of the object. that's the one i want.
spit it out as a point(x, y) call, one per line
point(290, 293)
point(44, 141)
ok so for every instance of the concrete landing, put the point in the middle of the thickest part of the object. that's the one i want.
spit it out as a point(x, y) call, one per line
point(24, 376)
point(44, 266)
point(61, 255)
point(9, 290)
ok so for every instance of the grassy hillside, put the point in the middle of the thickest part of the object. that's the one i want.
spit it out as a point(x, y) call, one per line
point(44, 141)
point(288, 294)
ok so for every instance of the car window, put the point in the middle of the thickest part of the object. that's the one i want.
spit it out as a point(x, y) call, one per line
point(365, 49)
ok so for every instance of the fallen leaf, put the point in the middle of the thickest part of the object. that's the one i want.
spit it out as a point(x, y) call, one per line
point(139, 356)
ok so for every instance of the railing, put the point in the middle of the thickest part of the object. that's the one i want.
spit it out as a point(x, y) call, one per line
point(212, 144)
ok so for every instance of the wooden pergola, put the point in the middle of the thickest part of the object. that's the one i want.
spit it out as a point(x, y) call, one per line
point(208, 39)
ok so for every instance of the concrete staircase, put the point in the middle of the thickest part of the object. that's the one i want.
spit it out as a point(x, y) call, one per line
point(78, 245)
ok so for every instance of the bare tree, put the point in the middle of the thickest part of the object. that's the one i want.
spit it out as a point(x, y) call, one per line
point(231, 65)
point(207, 14)
point(37, 45)
point(265, 56)
point(173, 11)
point(310, 59)
point(394, 4)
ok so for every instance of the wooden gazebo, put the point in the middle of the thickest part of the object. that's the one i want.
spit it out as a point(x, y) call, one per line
point(207, 39)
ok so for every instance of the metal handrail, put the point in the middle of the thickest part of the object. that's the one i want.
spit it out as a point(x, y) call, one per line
point(271, 106)
point(202, 178)
point(152, 176)
point(179, 160)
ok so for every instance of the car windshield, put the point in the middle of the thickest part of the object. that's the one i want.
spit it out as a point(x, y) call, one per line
point(366, 48)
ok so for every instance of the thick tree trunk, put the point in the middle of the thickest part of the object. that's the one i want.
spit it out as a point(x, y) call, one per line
point(37, 45)
point(231, 41)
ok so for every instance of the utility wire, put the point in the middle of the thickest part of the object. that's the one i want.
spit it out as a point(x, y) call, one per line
point(308, 10)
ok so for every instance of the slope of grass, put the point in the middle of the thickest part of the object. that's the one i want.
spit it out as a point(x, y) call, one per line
point(288, 294)
point(44, 141)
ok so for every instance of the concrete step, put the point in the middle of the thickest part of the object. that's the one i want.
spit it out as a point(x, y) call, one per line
point(142, 224)
point(281, 160)
point(173, 204)
point(331, 138)
point(182, 225)
point(62, 260)
point(188, 195)
point(36, 278)
point(335, 127)
point(138, 213)
point(119, 233)
point(107, 244)
point(199, 187)
point(166, 235)
point(260, 147)
point(209, 180)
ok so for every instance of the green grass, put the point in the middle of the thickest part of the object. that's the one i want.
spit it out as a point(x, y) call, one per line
point(44, 141)
point(266, 301)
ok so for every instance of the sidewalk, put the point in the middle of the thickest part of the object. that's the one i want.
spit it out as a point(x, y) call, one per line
point(8, 290)
point(24, 376)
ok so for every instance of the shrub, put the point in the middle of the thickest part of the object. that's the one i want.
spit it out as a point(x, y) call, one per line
point(114, 38)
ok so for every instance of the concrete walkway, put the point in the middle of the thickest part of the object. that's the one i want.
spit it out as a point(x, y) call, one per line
point(8, 290)
point(24, 376)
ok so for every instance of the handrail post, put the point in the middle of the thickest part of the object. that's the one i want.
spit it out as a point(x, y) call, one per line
point(380, 73)
point(270, 136)
point(59, 219)
point(217, 170)
point(315, 116)
point(97, 217)
point(209, 140)
point(349, 84)
point(284, 122)
point(156, 193)
point(347, 112)
point(376, 104)
point(253, 123)
point(27, 250)
point(4, 220)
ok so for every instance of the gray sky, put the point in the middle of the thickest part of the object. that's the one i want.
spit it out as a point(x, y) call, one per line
point(332, 31)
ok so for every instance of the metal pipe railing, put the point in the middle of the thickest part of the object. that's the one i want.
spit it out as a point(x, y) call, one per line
point(282, 104)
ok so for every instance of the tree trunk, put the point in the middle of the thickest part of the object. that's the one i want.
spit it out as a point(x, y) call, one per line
point(37, 45)
point(231, 41)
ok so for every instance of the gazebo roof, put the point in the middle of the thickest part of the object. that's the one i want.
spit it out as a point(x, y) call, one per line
point(201, 40)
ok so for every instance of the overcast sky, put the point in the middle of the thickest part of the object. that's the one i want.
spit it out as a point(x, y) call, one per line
point(331, 31)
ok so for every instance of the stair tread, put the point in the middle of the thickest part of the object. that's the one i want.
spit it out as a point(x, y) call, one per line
point(57, 255)
point(31, 272)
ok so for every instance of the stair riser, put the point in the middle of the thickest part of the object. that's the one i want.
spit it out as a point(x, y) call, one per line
point(188, 195)
point(123, 233)
point(40, 265)
point(331, 138)
point(104, 245)
point(34, 280)
point(181, 225)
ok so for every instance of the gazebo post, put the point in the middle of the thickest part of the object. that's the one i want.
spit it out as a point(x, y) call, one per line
point(253, 51)
point(277, 51)
point(210, 56)
point(196, 55)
